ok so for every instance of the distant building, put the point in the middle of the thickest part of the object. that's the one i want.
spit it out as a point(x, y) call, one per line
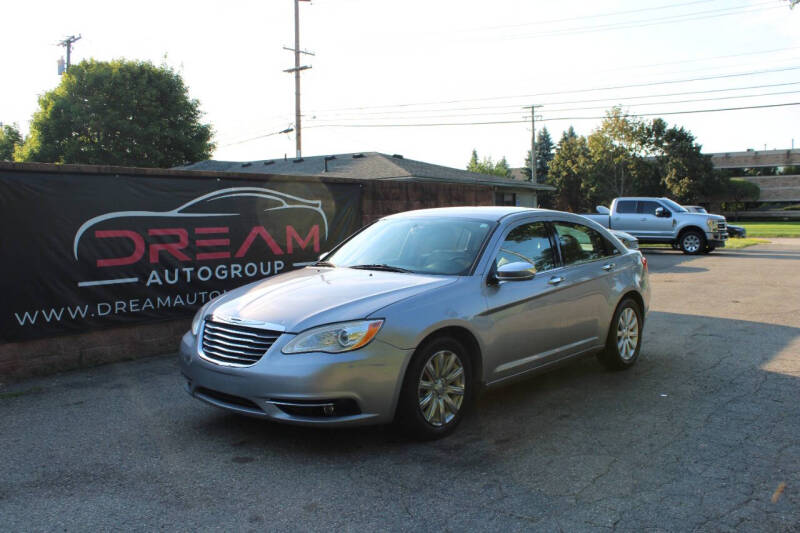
point(378, 166)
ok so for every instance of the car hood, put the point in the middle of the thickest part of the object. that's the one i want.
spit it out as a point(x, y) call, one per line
point(313, 296)
point(706, 215)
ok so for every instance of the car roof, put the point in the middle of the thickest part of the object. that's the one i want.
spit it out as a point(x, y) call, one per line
point(642, 198)
point(489, 212)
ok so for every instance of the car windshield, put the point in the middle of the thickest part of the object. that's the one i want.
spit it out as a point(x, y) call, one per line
point(419, 245)
point(673, 206)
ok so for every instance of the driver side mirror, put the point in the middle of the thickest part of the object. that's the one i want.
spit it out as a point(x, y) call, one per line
point(517, 271)
point(663, 213)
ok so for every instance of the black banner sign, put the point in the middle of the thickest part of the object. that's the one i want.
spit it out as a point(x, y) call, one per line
point(80, 251)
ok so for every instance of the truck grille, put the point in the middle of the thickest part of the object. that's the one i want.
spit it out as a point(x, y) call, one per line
point(229, 344)
point(721, 226)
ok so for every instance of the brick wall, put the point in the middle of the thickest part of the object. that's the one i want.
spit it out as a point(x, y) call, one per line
point(56, 354)
point(777, 188)
point(46, 356)
point(388, 197)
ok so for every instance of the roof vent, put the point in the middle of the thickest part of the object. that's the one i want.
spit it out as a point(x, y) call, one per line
point(358, 156)
point(397, 156)
point(246, 164)
point(298, 160)
point(268, 162)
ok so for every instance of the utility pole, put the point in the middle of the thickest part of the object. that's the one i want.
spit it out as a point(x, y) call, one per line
point(533, 148)
point(533, 141)
point(67, 43)
point(296, 70)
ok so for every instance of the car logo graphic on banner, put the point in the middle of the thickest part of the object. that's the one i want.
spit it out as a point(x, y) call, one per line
point(233, 221)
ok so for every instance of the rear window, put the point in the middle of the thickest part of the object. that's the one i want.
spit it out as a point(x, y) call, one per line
point(626, 206)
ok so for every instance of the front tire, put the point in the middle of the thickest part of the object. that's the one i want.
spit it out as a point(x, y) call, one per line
point(437, 389)
point(692, 242)
point(624, 337)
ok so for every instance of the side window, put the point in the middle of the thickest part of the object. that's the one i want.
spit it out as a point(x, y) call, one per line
point(529, 243)
point(626, 206)
point(648, 207)
point(580, 243)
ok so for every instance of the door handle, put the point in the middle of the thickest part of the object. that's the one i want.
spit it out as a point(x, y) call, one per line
point(555, 280)
point(608, 266)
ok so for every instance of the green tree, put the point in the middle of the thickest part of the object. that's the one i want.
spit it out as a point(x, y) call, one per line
point(568, 171)
point(790, 170)
point(487, 166)
point(118, 113)
point(10, 138)
point(545, 151)
point(687, 174)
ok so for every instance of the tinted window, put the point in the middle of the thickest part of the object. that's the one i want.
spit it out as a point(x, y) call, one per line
point(580, 243)
point(626, 206)
point(529, 243)
point(649, 207)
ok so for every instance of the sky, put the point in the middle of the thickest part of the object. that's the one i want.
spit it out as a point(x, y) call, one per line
point(387, 74)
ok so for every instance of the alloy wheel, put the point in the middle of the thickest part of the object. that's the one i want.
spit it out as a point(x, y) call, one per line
point(627, 333)
point(440, 391)
point(691, 243)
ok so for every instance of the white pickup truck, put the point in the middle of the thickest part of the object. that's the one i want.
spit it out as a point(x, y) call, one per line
point(660, 220)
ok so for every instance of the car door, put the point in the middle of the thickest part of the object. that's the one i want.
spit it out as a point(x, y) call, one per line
point(588, 270)
point(524, 318)
point(651, 225)
point(624, 217)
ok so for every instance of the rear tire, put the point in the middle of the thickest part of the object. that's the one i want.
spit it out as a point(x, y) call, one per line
point(692, 242)
point(437, 389)
point(624, 337)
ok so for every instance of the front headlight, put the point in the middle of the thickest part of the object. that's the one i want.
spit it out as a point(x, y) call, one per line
point(712, 224)
point(335, 338)
point(198, 319)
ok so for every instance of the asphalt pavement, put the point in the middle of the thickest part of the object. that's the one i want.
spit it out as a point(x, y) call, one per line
point(703, 434)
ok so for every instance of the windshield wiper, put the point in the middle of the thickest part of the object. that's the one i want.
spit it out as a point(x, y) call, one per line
point(387, 268)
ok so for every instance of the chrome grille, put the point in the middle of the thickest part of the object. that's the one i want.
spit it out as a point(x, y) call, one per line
point(234, 345)
point(721, 226)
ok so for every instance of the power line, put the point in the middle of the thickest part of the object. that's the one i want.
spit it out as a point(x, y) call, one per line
point(287, 130)
point(590, 17)
point(551, 110)
point(521, 121)
point(576, 91)
point(586, 101)
point(643, 23)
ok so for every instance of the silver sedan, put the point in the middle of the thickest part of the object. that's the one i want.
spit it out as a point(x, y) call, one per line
point(408, 319)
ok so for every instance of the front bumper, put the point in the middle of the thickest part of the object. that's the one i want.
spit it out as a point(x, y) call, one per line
point(353, 388)
point(716, 239)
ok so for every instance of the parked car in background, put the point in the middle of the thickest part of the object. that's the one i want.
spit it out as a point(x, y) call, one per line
point(410, 317)
point(733, 231)
point(660, 220)
point(626, 238)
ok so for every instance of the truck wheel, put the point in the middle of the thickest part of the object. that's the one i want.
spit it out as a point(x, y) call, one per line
point(692, 242)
